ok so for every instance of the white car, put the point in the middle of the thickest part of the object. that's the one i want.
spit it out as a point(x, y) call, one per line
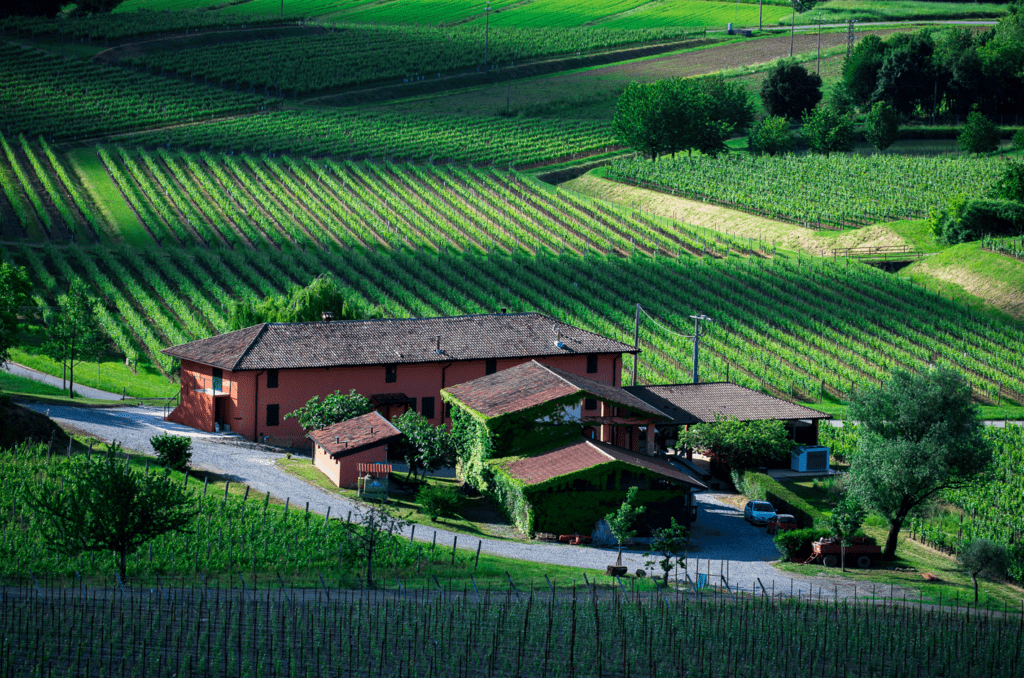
point(758, 512)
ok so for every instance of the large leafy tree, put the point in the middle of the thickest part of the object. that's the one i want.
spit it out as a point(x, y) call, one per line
point(907, 78)
point(336, 407)
point(921, 434)
point(424, 447)
point(827, 132)
point(860, 69)
point(14, 293)
point(104, 505)
point(640, 117)
point(73, 332)
point(302, 304)
point(790, 90)
point(978, 134)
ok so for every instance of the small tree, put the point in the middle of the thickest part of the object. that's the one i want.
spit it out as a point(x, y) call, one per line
point(771, 135)
point(790, 90)
point(670, 543)
point(979, 134)
point(107, 506)
point(334, 408)
point(173, 452)
point(827, 132)
point(424, 446)
point(73, 332)
point(983, 557)
point(844, 522)
point(1010, 185)
point(882, 126)
point(439, 501)
point(374, 527)
point(15, 289)
point(1018, 139)
point(741, 445)
point(622, 522)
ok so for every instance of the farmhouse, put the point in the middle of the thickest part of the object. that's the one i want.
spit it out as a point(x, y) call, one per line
point(248, 380)
point(537, 439)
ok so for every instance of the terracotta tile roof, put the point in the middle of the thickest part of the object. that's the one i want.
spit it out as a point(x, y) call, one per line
point(699, 403)
point(586, 454)
point(355, 435)
point(389, 341)
point(524, 386)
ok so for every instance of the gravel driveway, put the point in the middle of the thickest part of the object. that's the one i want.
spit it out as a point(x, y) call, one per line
point(723, 541)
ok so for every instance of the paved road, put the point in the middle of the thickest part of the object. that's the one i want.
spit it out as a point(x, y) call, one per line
point(36, 375)
point(724, 543)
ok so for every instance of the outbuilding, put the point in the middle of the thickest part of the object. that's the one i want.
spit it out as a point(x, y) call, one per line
point(340, 450)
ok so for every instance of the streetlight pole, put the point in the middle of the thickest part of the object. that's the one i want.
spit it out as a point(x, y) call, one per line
point(697, 334)
point(487, 31)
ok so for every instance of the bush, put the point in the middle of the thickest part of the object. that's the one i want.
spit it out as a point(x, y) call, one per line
point(1018, 139)
point(439, 501)
point(979, 134)
point(173, 452)
point(771, 136)
point(970, 220)
point(797, 543)
point(826, 132)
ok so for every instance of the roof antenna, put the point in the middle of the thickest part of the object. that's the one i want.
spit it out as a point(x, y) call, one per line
point(558, 332)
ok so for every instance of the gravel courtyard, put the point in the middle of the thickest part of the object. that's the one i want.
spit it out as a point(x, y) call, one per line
point(723, 541)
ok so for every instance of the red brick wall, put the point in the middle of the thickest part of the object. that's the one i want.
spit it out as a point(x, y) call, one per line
point(246, 409)
point(344, 471)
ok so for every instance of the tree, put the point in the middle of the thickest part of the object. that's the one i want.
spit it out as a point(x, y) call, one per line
point(73, 332)
point(790, 90)
point(920, 434)
point(334, 408)
point(1010, 185)
point(882, 126)
point(985, 558)
point(173, 452)
point(373, 528)
point(860, 69)
point(827, 132)
point(741, 445)
point(845, 520)
point(423, 446)
point(979, 134)
point(14, 293)
point(96, 6)
point(640, 117)
point(771, 135)
point(907, 78)
point(48, 8)
point(105, 505)
point(727, 102)
point(670, 543)
point(1018, 139)
point(622, 522)
point(302, 304)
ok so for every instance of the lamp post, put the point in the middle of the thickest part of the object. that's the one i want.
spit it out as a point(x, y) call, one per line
point(487, 31)
point(697, 334)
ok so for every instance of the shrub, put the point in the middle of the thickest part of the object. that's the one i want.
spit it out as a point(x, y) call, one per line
point(797, 543)
point(439, 501)
point(979, 134)
point(1018, 139)
point(754, 486)
point(173, 452)
point(771, 136)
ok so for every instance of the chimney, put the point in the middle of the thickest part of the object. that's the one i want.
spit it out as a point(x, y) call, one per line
point(337, 440)
point(504, 310)
point(371, 429)
point(437, 349)
point(327, 316)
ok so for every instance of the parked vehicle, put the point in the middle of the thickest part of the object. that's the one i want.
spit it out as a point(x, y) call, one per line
point(782, 522)
point(758, 512)
point(829, 551)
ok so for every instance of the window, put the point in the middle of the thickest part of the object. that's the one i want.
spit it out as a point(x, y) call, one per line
point(273, 415)
point(447, 410)
point(412, 404)
point(390, 374)
point(217, 380)
point(492, 365)
point(271, 378)
point(590, 403)
point(428, 408)
point(591, 364)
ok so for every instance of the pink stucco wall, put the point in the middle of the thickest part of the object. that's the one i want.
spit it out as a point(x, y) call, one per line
point(344, 471)
point(245, 406)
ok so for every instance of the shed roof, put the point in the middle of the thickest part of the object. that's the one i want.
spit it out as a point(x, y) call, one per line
point(524, 386)
point(355, 435)
point(388, 341)
point(700, 403)
point(585, 454)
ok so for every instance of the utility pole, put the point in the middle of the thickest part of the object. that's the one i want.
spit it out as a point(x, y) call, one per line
point(487, 31)
point(636, 341)
point(697, 334)
point(817, 69)
point(760, 13)
point(792, 28)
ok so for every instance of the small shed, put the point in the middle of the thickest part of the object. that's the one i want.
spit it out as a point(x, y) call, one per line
point(339, 450)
